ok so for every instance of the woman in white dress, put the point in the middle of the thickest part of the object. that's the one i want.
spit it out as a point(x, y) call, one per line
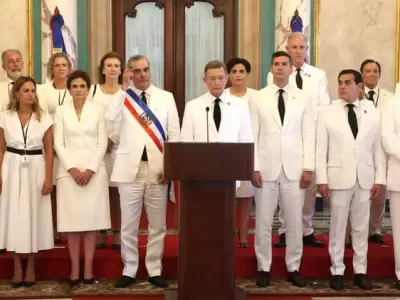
point(26, 179)
point(238, 69)
point(110, 79)
point(52, 94)
point(80, 140)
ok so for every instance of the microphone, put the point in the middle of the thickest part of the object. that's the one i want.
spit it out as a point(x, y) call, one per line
point(207, 110)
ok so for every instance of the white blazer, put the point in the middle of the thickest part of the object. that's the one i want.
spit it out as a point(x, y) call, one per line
point(391, 141)
point(133, 138)
point(382, 96)
point(291, 145)
point(342, 160)
point(5, 92)
point(235, 122)
point(80, 144)
point(315, 86)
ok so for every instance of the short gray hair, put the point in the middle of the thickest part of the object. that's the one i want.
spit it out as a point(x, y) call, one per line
point(297, 34)
point(4, 54)
point(136, 58)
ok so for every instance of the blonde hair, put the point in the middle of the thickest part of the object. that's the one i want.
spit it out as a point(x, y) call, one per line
point(50, 63)
point(13, 105)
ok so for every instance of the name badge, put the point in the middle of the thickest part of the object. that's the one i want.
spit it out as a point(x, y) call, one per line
point(25, 161)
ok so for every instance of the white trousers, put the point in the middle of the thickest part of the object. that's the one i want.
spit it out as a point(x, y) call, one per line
point(376, 214)
point(308, 211)
point(132, 195)
point(290, 198)
point(395, 217)
point(356, 202)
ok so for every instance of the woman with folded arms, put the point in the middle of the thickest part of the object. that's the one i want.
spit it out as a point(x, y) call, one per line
point(80, 140)
point(26, 179)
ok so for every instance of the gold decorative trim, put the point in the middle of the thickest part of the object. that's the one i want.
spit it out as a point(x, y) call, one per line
point(397, 51)
point(29, 35)
point(316, 31)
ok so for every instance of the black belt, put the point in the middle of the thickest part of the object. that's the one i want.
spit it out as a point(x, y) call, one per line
point(24, 152)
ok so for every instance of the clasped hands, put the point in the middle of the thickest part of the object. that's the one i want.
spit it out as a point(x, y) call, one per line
point(305, 179)
point(81, 178)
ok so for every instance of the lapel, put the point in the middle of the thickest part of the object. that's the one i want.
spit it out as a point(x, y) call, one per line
point(211, 124)
point(288, 108)
point(363, 128)
point(272, 105)
point(341, 113)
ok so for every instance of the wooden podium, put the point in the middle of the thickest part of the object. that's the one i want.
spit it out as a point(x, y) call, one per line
point(207, 173)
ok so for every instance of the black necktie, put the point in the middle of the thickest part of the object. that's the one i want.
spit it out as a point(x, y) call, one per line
point(299, 80)
point(281, 105)
point(371, 95)
point(351, 115)
point(144, 154)
point(217, 113)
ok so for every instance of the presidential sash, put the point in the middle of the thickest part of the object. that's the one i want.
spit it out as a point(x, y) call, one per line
point(150, 124)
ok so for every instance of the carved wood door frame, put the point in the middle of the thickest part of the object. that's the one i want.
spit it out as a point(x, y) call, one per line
point(174, 36)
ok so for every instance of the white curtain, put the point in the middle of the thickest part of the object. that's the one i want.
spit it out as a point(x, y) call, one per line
point(145, 35)
point(204, 41)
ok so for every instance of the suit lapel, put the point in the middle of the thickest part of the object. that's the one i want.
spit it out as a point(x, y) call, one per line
point(273, 107)
point(288, 108)
point(211, 123)
point(363, 128)
point(342, 112)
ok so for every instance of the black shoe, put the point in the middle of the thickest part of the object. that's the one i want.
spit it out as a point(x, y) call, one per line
point(397, 284)
point(17, 285)
point(101, 246)
point(310, 240)
point(74, 282)
point(376, 239)
point(29, 284)
point(263, 279)
point(124, 281)
point(116, 247)
point(337, 282)
point(90, 281)
point(362, 281)
point(158, 281)
point(281, 243)
point(296, 279)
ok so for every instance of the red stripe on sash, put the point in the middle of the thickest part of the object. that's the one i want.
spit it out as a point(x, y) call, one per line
point(145, 127)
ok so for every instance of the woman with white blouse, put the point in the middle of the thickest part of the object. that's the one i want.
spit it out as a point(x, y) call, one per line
point(238, 70)
point(51, 95)
point(80, 140)
point(26, 160)
point(110, 79)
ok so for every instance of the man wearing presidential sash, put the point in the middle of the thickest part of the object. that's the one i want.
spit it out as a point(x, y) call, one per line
point(148, 117)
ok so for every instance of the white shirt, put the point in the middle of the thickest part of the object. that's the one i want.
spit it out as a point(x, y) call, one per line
point(376, 95)
point(357, 110)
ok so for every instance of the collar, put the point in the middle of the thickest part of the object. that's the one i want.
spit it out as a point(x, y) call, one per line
point(9, 80)
point(302, 68)
point(223, 97)
point(276, 88)
point(148, 92)
point(376, 90)
point(356, 103)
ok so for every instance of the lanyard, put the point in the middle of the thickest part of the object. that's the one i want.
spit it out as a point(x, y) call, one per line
point(61, 102)
point(25, 132)
point(377, 97)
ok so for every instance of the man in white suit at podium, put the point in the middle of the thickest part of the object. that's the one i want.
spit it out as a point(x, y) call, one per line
point(148, 117)
point(216, 116)
point(284, 133)
point(350, 171)
point(313, 82)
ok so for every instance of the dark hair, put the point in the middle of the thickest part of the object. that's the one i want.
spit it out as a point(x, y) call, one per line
point(102, 77)
point(280, 54)
point(356, 74)
point(215, 64)
point(78, 74)
point(238, 61)
point(370, 61)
